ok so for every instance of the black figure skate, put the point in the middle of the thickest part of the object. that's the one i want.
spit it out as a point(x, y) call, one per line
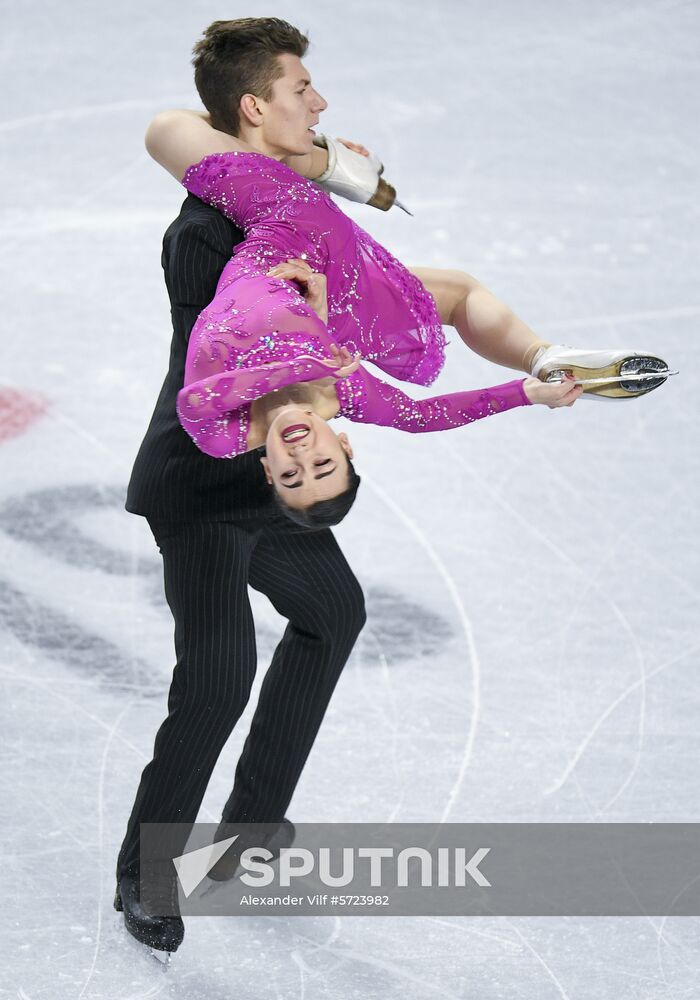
point(163, 935)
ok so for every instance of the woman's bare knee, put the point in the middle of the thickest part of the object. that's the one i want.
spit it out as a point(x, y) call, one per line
point(449, 289)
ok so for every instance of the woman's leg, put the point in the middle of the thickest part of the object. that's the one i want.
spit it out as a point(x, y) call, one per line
point(485, 324)
point(493, 330)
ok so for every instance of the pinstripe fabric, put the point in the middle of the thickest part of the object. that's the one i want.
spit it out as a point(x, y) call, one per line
point(306, 577)
point(171, 477)
point(218, 531)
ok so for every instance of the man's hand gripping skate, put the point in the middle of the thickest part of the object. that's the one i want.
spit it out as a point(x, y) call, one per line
point(354, 173)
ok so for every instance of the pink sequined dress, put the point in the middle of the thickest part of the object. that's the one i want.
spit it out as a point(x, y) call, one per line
point(258, 334)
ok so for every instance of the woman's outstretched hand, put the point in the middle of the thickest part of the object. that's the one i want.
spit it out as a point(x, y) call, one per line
point(552, 394)
point(313, 284)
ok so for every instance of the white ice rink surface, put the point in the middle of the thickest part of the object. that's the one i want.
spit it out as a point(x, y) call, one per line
point(532, 580)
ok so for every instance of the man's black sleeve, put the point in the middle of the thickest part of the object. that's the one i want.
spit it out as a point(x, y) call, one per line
point(172, 478)
point(194, 255)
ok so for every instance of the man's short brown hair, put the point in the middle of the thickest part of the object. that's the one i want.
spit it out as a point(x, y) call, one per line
point(240, 57)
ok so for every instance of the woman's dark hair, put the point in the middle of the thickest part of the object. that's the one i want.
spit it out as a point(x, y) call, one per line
point(326, 512)
point(240, 57)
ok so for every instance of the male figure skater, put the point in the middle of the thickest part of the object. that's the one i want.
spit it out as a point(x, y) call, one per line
point(218, 529)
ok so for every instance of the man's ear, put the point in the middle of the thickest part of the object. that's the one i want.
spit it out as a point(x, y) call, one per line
point(266, 466)
point(249, 108)
point(345, 444)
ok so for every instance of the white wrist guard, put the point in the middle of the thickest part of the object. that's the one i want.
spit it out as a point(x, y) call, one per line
point(354, 176)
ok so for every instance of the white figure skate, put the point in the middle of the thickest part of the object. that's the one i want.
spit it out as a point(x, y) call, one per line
point(354, 176)
point(604, 374)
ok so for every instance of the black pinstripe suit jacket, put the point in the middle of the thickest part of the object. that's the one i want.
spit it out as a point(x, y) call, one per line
point(171, 477)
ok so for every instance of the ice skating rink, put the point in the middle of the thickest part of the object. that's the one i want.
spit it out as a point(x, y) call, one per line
point(532, 581)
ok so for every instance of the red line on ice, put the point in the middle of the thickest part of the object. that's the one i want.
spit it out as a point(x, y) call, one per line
point(18, 411)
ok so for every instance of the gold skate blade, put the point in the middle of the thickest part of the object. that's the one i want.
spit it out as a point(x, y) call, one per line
point(611, 371)
point(664, 373)
point(616, 380)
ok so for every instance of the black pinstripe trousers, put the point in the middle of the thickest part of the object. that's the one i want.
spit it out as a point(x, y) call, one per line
point(207, 566)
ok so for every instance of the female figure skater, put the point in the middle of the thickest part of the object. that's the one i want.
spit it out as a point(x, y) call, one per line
point(268, 364)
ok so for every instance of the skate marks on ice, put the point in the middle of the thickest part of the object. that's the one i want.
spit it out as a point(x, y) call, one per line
point(52, 523)
point(449, 582)
point(398, 629)
point(92, 111)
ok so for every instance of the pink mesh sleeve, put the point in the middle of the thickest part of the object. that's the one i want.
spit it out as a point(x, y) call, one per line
point(366, 399)
point(257, 335)
point(213, 179)
point(214, 410)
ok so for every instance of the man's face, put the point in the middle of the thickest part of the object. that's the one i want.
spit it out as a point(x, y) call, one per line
point(306, 462)
point(295, 107)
